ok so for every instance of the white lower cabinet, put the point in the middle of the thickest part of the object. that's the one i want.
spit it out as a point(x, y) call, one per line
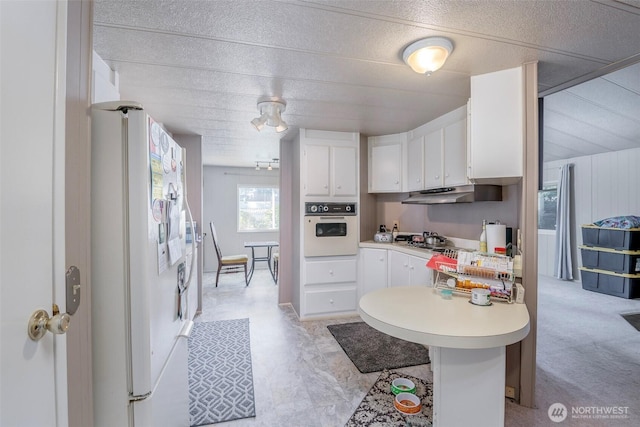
point(332, 301)
point(373, 271)
point(330, 286)
point(381, 268)
point(408, 270)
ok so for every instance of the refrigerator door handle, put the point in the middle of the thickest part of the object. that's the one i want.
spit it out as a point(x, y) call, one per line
point(139, 397)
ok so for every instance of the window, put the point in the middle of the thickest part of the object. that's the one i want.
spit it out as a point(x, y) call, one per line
point(258, 208)
point(547, 205)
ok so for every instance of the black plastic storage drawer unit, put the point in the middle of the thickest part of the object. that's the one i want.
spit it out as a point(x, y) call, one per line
point(611, 259)
point(619, 285)
point(612, 238)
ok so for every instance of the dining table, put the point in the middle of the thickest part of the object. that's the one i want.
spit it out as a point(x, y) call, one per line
point(269, 245)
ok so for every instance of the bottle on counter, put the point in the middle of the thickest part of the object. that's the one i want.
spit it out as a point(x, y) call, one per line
point(394, 233)
point(483, 236)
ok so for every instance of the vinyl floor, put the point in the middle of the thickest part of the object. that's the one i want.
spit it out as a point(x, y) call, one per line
point(588, 358)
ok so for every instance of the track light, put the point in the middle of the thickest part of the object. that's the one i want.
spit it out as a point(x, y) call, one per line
point(268, 163)
point(271, 115)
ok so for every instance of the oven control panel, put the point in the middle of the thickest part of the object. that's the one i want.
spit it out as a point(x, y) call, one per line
point(322, 208)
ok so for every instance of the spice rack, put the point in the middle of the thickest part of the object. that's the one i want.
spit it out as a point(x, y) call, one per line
point(472, 270)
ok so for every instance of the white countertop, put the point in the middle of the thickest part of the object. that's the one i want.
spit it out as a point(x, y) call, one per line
point(400, 247)
point(419, 314)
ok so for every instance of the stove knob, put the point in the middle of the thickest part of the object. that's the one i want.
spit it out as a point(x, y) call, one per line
point(325, 208)
point(348, 208)
point(313, 209)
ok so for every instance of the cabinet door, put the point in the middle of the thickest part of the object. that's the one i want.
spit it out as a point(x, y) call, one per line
point(415, 169)
point(496, 124)
point(433, 160)
point(316, 161)
point(420, 274)
point(386, 167)
point(399, 272)
point(345, 167)
point(455, 153)
point(374, 270)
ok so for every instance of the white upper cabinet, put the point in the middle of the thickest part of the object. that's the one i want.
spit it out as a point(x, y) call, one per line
point(316, 160)
point(496, 127)
point(344, 161)
point(433, 159)
point(445, 150)
point(385, 163)
point(329, 163)
point(415, 170)
point(455, 153)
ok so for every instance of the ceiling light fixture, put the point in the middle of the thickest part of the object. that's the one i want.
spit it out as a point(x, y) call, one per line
point(268, 163)
point(427, 55)
point(271, 115)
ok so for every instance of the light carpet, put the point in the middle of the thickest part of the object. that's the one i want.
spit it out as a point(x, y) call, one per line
point(220, 372)
point(372, 351)
point(377, 409)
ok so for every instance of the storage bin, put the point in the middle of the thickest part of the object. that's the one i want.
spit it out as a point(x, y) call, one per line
point(612, 238)
point(619, 285)
point(611, 259)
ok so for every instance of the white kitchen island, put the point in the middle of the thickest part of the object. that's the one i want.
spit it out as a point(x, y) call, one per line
point(467, 346)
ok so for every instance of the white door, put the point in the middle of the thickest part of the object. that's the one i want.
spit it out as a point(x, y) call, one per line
point(33, 375)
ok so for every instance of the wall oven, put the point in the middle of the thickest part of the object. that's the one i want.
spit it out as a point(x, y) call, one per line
point(330, 229)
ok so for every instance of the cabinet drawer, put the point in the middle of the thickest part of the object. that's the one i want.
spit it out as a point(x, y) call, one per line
point(330, 271)
point(330, 301)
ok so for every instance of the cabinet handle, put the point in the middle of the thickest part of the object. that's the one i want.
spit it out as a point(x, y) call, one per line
point(417, 179)
point(437, 176)
point(331, 301)
point(339, 187)
point(381, 259)
point(326, 186)
point(446, 176)
point(331, 272)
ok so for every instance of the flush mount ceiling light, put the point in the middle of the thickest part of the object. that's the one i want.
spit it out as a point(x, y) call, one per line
point(427, 55)
point(271, 115)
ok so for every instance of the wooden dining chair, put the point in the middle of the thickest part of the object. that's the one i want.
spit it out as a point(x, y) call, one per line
point(229, 263)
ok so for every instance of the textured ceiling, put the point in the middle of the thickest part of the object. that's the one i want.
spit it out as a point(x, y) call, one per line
point(200, 67)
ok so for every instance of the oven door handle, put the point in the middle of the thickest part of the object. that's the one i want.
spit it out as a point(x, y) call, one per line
point(330, 217)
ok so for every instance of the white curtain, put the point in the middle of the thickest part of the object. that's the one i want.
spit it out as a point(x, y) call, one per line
point(563, 264)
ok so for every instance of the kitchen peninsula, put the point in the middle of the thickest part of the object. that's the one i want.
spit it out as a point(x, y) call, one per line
point(467, 347)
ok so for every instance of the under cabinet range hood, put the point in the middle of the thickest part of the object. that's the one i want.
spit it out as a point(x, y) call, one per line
point(461, 194)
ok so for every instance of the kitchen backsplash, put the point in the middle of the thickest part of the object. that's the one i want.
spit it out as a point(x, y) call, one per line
point(456, 220)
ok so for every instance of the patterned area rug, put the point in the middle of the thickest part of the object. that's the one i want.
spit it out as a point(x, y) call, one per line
point(377, 410)
point(220, 374)
point(372, 351)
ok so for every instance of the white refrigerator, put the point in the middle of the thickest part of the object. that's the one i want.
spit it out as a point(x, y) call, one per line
point(141, 270)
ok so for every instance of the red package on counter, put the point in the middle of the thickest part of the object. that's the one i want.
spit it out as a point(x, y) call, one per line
point(443, 263)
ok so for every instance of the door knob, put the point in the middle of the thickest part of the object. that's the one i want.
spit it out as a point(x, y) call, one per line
point(40, 323)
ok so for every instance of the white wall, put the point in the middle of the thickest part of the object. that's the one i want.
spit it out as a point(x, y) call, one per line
point(220, 189)
point(105, 83)
point(605, 185)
